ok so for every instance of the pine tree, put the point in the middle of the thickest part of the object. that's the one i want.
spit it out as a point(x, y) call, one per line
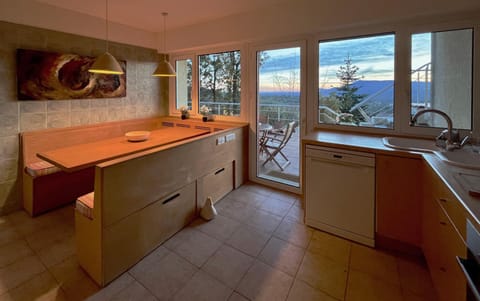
point(347, 92)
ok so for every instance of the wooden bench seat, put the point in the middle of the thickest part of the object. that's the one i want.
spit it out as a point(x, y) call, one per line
point(46, 187)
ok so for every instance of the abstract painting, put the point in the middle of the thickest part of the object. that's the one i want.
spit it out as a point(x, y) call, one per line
point(48, 75)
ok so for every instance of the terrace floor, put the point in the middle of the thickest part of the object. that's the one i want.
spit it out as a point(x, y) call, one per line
point(291, 174)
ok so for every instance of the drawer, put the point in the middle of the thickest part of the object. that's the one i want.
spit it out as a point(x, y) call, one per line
point(130, 239)
point(215, 184)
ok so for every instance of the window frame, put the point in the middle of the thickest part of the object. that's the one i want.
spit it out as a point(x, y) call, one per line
point(402, 85)
point(194, 56)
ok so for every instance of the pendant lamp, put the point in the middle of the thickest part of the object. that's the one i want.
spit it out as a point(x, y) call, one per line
point(106, 63)
point(164, 68)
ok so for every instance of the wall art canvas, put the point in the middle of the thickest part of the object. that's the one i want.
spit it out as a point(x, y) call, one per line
point(48, 75)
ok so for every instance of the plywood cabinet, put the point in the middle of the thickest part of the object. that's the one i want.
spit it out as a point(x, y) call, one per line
point(216, 184)
point(398, 199)
point(443, 231)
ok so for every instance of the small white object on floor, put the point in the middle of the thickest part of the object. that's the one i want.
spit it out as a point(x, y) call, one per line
point(208, 211)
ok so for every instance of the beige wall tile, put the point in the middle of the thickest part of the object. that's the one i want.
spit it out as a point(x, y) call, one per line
point(8, 124)
point(33, 106)
point(58, 106)
point(80, 104)
point(9, 169)
point(9, 147)
point(80, 118)
point(58, 119)
point(33, 121)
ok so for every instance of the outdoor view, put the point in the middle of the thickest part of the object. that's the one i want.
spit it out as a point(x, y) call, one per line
point(219, 82)
point(356, 81)
point(278, 112)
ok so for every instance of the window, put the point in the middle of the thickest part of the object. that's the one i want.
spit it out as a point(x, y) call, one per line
point(441, 77)
point(183, 84)
point(356, 81)
point(219, 82)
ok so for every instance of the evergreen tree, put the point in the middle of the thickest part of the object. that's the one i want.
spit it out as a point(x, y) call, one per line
point(347, 92)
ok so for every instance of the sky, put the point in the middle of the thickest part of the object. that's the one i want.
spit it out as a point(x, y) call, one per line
point(374, 56)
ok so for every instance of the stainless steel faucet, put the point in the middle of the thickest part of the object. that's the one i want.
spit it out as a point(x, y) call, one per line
point(452, 137)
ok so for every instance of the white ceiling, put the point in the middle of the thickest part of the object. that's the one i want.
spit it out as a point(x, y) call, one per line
point(147, 14)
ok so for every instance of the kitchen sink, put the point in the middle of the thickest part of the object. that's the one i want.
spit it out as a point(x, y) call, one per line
point(466, 157)
point(411, 144)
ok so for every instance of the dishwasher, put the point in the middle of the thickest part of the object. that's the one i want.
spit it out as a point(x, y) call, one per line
point(340, 192)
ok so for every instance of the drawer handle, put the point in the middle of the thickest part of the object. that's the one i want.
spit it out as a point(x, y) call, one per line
point(443, 223)
point(442, 200)
point(338, 156)
point(171, 198)
point(443, 269)
point(219, 171)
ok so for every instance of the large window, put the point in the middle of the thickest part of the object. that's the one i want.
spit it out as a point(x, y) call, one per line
point(219, 82)
point(356, 81)
point(183, 84)
point(441, 77)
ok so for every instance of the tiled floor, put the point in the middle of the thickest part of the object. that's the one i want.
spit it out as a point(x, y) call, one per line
point(256, 249)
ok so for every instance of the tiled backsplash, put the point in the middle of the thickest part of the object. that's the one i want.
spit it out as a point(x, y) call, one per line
point(144, 98)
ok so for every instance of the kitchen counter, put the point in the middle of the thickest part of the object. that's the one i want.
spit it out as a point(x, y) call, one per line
point(458, 180)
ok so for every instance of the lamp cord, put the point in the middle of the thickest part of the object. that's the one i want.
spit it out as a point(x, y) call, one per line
point(106, 22)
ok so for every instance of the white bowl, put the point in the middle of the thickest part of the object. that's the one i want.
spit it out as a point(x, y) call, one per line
point(136, 136)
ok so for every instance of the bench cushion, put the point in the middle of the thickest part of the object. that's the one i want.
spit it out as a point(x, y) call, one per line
point(84, 205)
point(41, 168)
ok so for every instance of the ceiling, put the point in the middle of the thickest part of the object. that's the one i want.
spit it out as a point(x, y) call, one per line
point(147, 14)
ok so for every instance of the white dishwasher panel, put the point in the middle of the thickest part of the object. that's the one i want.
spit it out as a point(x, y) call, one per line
point(340, 193)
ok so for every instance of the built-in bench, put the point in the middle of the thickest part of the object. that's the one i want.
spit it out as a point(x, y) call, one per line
point(45, 186)
point(140, 200)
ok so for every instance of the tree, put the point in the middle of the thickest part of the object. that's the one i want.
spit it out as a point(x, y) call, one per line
point(347, 92)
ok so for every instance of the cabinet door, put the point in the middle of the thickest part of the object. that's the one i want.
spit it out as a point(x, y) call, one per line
point(398, 198)
point(215, 184)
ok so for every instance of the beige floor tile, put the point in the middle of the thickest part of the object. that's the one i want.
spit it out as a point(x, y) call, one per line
point(282, 255)
point(263, 282)
point(330, 246)
point(114, 288)
point(375, 262)
point(167, 276)
point(228, 265)
point(237, 297)
point(301, 291)
point(263, 221)
point(26, 225)
point(177, 239)
point(362, 286)
point(296, 214)
point(203, 287)
point(197, 247)
point(294, 233)
point(288, 197)
point(260, 189)
point(145, 264)
point(58, 251)
point(14, 251)
point(220, 228)
point(45, 237)
point(276, 206)
point(247, 197)
point(7, 231)
point(76, 284)
point(42, 287)
point(20, 271)
point(238, 211)
point(134, 291)
point(415, 277)
point(323, 274)
point(248, 240)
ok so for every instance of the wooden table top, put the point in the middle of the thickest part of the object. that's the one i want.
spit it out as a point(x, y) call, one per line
point(89, 154)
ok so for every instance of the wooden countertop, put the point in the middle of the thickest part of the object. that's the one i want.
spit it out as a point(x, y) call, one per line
point(450, 175)
point(89, 154)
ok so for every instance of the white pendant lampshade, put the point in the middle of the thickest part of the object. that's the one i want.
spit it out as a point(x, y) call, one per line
point(164, 68)
point(106, 63)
